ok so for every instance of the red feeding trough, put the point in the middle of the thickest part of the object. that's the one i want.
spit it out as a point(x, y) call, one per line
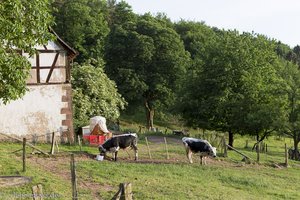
point(95, 139)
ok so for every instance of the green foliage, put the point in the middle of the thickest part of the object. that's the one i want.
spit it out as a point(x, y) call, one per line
point(290, 72)
point(119, 13)
point(285, 52)
point(23, 25)
point(232, 82)
point(147, 60)
point(82, 24)
point(238, 87)
point(94, 94)
point(14, 70)
point(197, 37)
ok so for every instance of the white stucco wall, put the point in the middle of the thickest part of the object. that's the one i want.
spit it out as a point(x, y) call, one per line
point(38, 112)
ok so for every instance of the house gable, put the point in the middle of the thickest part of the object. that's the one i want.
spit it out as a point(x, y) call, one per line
point(47, 106)
point(51, 63)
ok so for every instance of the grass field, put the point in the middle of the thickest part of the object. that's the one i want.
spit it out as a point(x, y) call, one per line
point(156, 178)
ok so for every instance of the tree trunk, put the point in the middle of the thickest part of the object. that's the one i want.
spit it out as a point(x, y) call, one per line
point(230, 139)
point(296, 143)
point(149, 115)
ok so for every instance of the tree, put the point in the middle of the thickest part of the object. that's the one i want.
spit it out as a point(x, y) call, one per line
point(23, 25)
point(94, 94)
point(119, 14)
point(236, 90)
point(291, 74)
point(197, 38)
point(148, 61)
point(200, 41)
point(83, 25)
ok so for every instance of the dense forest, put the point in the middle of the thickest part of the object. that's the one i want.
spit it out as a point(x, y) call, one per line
point(215, 79)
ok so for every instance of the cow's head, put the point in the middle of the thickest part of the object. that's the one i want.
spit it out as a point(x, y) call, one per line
point(102, 150)
point(213, 152)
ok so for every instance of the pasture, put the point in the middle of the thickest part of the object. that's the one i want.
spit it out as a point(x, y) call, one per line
point(156, 178)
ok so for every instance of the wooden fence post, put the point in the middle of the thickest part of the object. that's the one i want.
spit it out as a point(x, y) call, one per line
point(258, 152)
point(56, 144)
point(53, 143)
point(262, 147)
point(73, 178)
point(24, 155)
point(124, 193)
point(149, 153)
point(220, 145)
point(286, 156)
point(127, 191)
point(37, 192)
point(79, 142)
point(166, 130)
point(224, 146)
point(203, 134)
point(166, 145)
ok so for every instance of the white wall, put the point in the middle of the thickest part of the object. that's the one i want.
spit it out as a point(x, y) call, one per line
point(38, 112)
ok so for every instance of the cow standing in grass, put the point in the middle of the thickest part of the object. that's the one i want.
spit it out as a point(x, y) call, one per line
point(193, 145)
point(119, 142)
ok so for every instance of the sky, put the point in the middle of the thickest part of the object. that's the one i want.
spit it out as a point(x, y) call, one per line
point(276, 19)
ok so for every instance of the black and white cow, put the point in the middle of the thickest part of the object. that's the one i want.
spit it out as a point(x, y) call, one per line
point(119, 142)
point(193, 145)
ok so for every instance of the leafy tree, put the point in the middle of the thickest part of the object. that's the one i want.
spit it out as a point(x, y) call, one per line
point(236, 89)
point(197, 37)
point(119, 13)
point(148, 62)
point(285, 52)
point(200, 41)
point(83, 25)
point(291, 74)
point(23, 25)
point(94, 94)
point(296, 51)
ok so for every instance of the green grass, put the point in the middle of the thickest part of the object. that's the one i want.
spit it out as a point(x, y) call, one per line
point(224, 178)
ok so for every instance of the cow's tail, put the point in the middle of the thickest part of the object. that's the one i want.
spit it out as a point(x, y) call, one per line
point(134, 145)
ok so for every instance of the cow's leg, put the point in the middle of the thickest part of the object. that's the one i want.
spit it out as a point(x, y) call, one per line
point(201, 159)
point(188, 152)
point(104, 156)
point(113, 156)
point(189, 155)
point(116, 155)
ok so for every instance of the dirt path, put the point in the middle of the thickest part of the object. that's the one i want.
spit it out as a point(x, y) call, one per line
point(59, 167)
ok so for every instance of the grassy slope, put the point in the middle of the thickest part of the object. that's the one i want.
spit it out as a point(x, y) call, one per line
point(221, 179)
point(183, 181)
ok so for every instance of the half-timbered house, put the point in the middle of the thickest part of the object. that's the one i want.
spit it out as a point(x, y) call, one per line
point(47, 106)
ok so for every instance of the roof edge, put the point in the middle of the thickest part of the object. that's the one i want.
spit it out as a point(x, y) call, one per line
point(72, 52)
